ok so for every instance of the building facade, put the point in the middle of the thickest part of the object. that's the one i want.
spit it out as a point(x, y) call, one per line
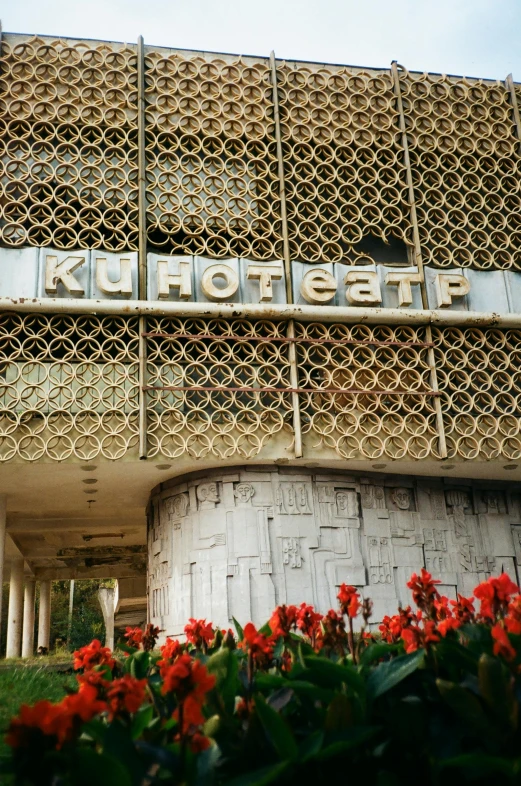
point(260, 328)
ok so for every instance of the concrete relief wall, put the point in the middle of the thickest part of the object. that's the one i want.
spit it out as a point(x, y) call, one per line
point(238, 543)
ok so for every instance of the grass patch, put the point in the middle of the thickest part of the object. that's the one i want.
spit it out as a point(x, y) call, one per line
point(27, 684)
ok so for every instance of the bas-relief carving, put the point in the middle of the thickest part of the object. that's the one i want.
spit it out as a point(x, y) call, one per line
point(293, 499)
point(239, 546)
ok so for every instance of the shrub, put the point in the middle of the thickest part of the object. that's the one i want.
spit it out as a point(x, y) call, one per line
point(431, 698)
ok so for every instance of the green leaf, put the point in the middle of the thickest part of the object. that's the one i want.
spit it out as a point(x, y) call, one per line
point(453, 655)
point(496, 688)
point(269, 682)
point(225, 667)
point(387, 675)
point(261, 777)
point(479, 765)
point(276, 730)
point(95, 729)
point(339, 713)
point(238, 628)
point(352, 738)
point(467, 707)
point(311, 745)
point(141, 720)
point(327, 674)
point(99, 768)
point(139, 665)
point(119, 744)
point(377, 651)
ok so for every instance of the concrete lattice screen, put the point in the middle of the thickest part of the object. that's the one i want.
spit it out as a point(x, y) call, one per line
point(222, 389)
point(70, 156)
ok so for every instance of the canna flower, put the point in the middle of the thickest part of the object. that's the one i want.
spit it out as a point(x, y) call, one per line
point(463, 609)
point(308, 621)
point(170, 651)
point(94, 679)
point(93, 654)
point(126, 694)
point(187, 677)
point(43, 719)
point(513, 617)
point(150, 637)
point(56, 723)
point(188, 680)
point(332, 632)
point(391, 627)
point(424, 593)
point(199, 633)
point(502, 645)
point(494, 596)
point(415, 637)
point(259, 647)
point(349, 600)
point(283, 620)
point(134, 637)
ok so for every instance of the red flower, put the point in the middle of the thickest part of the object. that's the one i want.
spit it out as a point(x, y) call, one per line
point(198, 742)
point(495, 594)
point(170, 651)
point(58, 722)
point(513, 618)
point(134, 637)
point(84, 704)
point(308, 621)
point(502, 645)
point(332, 631)
point(189, 681)
point(415, 637)
point(463, 609)
point(448, 624)
point(349, 600)
point(93, 655)
point(424, 593)
point(126, 694)
point(199, 633)
point(43, 719)
point(150, 637)
point(259, 647)
point(391, 627)
point(94, 679)
point(283, 620)
point(188, 677)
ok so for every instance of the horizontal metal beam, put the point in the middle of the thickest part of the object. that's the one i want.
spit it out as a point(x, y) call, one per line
point(370, 316)
point(97, 572)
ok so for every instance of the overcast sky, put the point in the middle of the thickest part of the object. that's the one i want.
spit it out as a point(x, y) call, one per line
point(469, 37)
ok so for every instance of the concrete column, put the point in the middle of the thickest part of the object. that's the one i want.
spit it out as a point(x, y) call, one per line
point(14, 615)
point(3, 511)
point(44, 617)
point(28, 626)
point(106, 601)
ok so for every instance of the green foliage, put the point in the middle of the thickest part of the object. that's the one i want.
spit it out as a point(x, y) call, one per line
point(277, 708)
point(26, 685)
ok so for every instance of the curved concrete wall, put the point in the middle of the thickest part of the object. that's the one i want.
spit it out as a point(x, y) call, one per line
point(228, 543)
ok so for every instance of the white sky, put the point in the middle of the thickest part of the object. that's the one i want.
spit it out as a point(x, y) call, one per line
point(469, 37)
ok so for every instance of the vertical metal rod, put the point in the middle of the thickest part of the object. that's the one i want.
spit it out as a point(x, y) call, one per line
point(442, 442)
point(142, 199)
point(142, 376)
point(142, 247)
point(509, 83)
point(292, 352)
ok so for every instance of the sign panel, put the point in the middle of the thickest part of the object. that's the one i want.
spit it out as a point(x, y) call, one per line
point(46, 272)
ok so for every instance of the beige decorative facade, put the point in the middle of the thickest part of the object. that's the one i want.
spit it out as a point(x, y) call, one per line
point(278, 303)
